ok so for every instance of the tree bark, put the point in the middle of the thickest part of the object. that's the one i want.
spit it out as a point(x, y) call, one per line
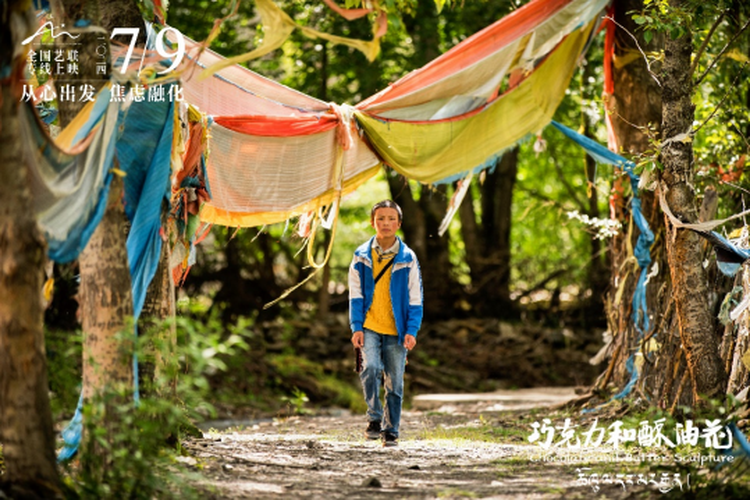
point(26, 431)
point(690, 291)
point(106, 301)
point(634, 109)
point(158, 306)
point(105, 296)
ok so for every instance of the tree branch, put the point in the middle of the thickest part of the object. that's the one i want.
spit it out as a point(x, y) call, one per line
point(540, 196)
point(645, 57)
point(718, 57)
point(569, 188)
point(724, 98)
point(739, 132)
point(541, 284)
point(702, 48)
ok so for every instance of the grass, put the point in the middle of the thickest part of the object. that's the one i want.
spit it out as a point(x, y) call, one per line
point(555, 490)
point(483, 434)
point(484, 431)
point(511, 466)
point(456, 493)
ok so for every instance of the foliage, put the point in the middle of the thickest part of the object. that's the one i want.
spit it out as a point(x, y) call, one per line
point(206, 348)
point(722, 126)
point(540, 202)
point(601, 228)
point(64, 358)
point(295, 371)
point(659, 15)
point(133, 460)
point(297, 402)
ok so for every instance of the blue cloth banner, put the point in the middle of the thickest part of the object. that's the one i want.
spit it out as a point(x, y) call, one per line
point(643, 244)
point(144, 153)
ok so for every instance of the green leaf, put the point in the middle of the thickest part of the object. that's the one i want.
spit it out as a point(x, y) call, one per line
point(439, 4)
point(648, 36)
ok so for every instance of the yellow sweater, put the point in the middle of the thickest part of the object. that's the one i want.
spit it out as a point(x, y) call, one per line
point(380, 315)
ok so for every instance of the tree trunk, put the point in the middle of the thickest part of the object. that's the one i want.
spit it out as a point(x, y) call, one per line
point(690, 291)
point(634, 108)
point(26, 432)
point(158, 306)
point(105, 296)
point(105, 293)
point(106, 301)
point(324, 296)
point(487, 243)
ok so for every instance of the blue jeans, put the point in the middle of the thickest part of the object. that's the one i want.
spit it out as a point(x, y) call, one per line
point(382, 354)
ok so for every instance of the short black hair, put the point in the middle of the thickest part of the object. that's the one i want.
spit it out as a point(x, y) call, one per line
point(386, 204)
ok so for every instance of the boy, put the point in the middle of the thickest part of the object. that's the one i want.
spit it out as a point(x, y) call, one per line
point(385, 313)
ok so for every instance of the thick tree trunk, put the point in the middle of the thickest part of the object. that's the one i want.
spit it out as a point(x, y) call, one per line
point(105, 297)
point(26, 432)
point(690, 291)
point(634, 108)
point(106, 301)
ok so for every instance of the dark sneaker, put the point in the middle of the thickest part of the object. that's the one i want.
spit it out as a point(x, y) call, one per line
point(390, 439)
point(373, 430)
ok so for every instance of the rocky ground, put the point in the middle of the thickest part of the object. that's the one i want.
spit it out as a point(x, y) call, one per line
point(460, 449)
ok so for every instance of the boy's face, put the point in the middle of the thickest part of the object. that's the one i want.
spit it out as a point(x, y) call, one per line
point(386, 223)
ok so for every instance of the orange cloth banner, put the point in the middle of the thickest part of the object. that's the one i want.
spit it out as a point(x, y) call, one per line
point(273, 126)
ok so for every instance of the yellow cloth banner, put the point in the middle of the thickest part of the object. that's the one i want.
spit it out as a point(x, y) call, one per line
point(432, 151)
point(277, 26)
point(218, 216)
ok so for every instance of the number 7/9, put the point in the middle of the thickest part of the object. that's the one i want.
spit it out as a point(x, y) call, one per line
point(161, 47)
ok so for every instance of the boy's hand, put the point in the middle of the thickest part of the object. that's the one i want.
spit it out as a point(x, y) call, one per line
point(358, 339)
point(409, 342)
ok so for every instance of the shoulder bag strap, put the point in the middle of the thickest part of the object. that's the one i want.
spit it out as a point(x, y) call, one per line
point(382, 271)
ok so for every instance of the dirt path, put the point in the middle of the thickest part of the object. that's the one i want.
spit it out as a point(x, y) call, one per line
point(442, 454)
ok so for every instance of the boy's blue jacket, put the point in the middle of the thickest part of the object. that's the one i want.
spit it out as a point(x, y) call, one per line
point(406, 289)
